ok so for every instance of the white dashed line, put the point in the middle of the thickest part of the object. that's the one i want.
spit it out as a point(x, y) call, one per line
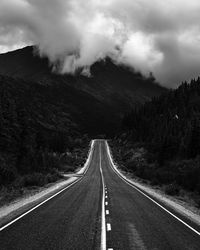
point(107, 212)
point(108, 227)
point(106, 203)
point(103, 219)
point(106, 197)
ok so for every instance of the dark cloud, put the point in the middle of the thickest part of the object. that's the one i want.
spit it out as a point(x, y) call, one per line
point(158, 36)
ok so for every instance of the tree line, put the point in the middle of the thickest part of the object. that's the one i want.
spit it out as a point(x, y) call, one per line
point(37, 136)
point(168, 127)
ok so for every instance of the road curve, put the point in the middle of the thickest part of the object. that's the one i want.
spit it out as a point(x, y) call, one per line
point(101, 211)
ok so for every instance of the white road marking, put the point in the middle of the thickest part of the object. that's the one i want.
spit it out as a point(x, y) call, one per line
point(106, 197)
point(103, 217)
point(106, 203)
point(51, 197)
point(107, 212)
point(108, 227)
point(110, 248)
point(133, 186)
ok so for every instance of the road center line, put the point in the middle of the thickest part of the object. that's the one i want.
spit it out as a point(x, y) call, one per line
point(103, 219)
point(108, 227)
point(133, 186)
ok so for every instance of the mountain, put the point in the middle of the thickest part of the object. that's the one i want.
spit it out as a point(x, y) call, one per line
point(47, 119)
point(39, 137)
point(95, 103)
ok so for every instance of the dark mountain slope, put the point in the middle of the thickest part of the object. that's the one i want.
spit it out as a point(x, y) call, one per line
point(44, 117)
point(54, 104)
point(39, 132)
point(115, 88)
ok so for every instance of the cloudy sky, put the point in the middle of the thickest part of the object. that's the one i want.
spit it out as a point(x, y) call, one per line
point(161, 36)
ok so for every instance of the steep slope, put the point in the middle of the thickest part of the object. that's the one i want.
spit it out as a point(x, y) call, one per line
point(57, 103)
point(115, 88)
point(39, 134)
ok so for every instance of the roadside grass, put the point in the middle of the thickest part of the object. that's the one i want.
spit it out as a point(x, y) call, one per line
point(177, 179)
point(51, 168)
point(172, 189)
point(27, 185)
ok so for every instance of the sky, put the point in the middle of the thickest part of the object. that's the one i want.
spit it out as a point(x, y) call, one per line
point(159, 36)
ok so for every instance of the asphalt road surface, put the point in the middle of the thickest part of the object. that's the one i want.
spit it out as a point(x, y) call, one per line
point(100, 211)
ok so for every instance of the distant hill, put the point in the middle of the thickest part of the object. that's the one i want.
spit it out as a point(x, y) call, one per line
point(96, 103)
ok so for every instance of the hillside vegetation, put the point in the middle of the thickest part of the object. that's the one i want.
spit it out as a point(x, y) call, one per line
point(111, 90)
point(38, 137)
point(47, 119)
point(160, 140)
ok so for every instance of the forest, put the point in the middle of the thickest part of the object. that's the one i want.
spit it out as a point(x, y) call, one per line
point(38, 139)
point(40, 136)
point(160, 140)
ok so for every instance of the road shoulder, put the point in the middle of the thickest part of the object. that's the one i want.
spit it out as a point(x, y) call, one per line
point(174, 204)
point(21, 205)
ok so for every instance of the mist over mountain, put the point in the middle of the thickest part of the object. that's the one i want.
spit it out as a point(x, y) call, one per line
point(43, 114)
point(110, 91)
point(157, 36)
point(99, 124)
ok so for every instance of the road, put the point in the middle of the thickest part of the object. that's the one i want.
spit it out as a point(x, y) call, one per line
point(100, 211)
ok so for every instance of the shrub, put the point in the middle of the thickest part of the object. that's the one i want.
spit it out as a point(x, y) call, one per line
point(131, 165)
point(154, 182)
point(172, 189)
point(7, 172)
point(35, 179)
point(198, 203)
point(52, 177)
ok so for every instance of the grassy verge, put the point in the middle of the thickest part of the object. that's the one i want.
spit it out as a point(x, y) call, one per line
point(51, 167)
point(176, 178)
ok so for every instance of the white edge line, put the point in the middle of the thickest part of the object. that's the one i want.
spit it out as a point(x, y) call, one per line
point(133, 186)
point(103, 219)
point(51, 197)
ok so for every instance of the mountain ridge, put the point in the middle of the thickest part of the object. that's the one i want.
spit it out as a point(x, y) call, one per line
point(111, 91)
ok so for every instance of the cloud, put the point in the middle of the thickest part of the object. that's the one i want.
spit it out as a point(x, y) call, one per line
point(158, 36)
